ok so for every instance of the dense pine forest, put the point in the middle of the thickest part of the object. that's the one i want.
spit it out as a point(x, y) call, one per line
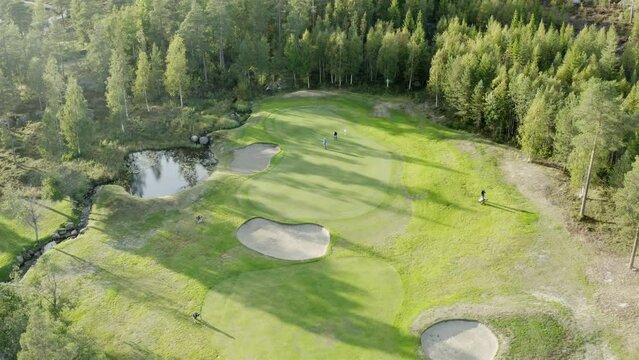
point(85, 82)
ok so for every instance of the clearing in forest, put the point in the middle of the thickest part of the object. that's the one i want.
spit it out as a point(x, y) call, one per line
point(407, 237)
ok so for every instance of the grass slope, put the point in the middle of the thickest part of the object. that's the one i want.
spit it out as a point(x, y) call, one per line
point(15, 236)
point(399, 196)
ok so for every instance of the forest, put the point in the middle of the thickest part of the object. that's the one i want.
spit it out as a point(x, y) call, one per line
point(85, 82)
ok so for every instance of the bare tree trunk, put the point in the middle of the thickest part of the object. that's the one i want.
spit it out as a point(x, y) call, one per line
point(634, 250)
point(351, 79)
point(126, 106)
point(181, 100)
point(308, 81)
point(584, 196)
point(13, 144)
point(146, 100)
point(294, 80)
point(410, 81)
point(206, 75)
point(387, 82)
point(222, 62)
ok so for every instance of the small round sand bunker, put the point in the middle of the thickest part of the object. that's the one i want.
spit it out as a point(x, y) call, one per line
point(284, 241)
point(459, 340)
point(253, 158)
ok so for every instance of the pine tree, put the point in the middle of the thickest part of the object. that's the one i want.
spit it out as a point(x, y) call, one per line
point(535, 132)
point(99, 52)
point(394, 14)
point(156, 77)
point(222, 27)
point(142, 80)
point(498, 107)
point(354, 51)
point(50, 143)
point(337, 59)
point(176, 78)
point(476, 111)
point(293, 56)
point(193, 31)
point(116, 87)
point(626, 201)
point(388, 57)
point(608, 60)
point(75, 117)
point(54, 85)
point(307, 53)
point(371, 47)
point(600, 122)
point(416, 52)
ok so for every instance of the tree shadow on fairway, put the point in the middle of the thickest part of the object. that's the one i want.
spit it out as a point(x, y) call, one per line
point(506, 208)
point(338, 302)
point(208, 325)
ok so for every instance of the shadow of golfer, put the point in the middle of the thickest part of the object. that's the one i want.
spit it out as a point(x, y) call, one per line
point(205, 323)
point(506, 208)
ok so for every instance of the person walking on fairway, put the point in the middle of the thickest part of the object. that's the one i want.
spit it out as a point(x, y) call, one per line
point(325, 143)
point(482, 199)
point(335, 135)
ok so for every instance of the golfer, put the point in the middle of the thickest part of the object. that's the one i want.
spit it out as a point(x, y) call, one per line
point(335, 135)
point(325, 143)
point(482, 199)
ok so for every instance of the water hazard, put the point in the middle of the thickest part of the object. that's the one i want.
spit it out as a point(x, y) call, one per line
point(160, 173)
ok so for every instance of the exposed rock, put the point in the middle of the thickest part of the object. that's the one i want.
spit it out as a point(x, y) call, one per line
point(48, 246)
point(204, 140)
point(20, 260)
point(69, 226)
point(61, 231)
point(194, 138)
point(55, 236)
point(74, 233)
point(83, 230)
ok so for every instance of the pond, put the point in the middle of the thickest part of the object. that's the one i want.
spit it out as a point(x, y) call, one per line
point(166, 172)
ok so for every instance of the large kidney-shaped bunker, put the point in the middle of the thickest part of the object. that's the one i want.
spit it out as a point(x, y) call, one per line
point(284, 241)
point(459, 340)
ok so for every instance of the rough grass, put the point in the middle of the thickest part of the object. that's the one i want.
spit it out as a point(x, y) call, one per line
point(400, 201)
point(536, 337)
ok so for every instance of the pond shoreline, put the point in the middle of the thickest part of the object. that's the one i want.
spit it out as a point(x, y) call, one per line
point(72, 230)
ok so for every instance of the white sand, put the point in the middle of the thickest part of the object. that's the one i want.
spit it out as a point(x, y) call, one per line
point(459, 340)
point(284, 241)
point(253, 158)
point(307, 93)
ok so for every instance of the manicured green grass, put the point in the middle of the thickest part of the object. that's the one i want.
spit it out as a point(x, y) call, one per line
point(399, 197)
point(15, 236)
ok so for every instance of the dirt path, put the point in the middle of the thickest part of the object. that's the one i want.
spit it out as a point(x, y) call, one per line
point(615, 289)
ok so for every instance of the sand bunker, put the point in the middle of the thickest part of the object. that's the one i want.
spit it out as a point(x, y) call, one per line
point(459, 340)
point(253, 158)
point(307, 93)
point(284, 241)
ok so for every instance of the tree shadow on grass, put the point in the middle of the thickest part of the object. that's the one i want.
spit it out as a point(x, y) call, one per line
point(209, 326)
point(506, 208)
point(11, 243)
point(316, 298)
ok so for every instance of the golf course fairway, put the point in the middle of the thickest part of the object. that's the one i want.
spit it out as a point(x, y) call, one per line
point(407, 236)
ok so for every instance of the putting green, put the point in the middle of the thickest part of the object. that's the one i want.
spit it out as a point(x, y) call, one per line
point(349, 178)
point(341, 308)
